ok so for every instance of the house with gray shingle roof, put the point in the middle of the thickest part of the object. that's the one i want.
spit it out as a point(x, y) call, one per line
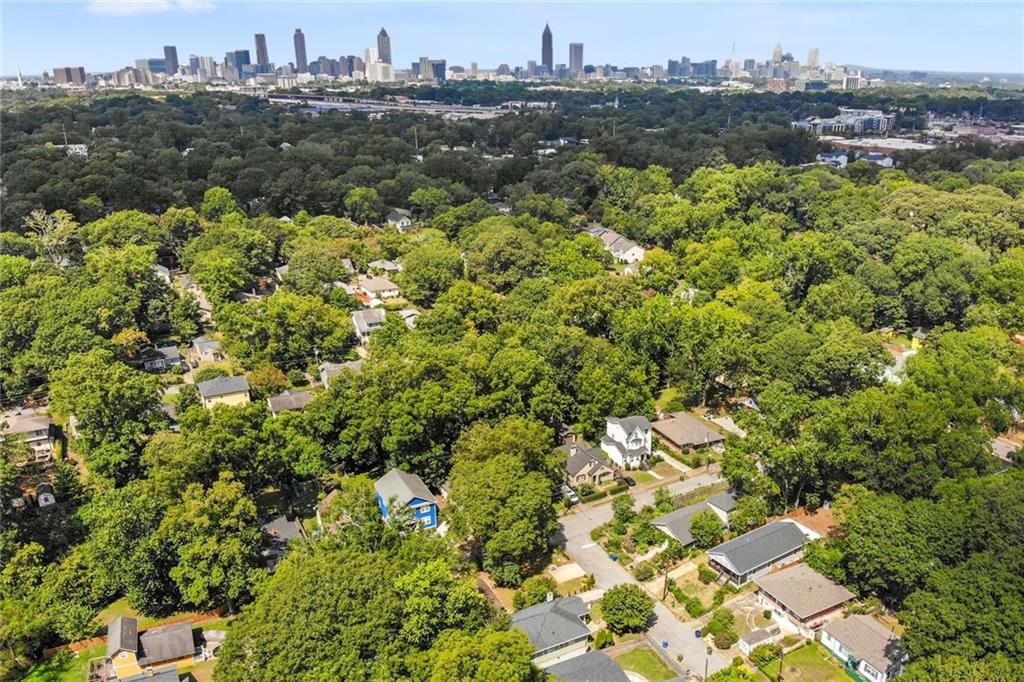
point(585, 465)
point(760, 551)
point(627, 441)
point(223, 391)
point(866, 646)
point(556, 628)
point(593, 666)
point(399, 488)
point(288, 400)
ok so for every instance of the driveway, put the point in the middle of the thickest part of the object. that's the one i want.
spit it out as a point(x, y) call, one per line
point(575, 535)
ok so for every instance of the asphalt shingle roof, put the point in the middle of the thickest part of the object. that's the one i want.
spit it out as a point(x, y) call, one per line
point(678, 522)
point(402, 486)
point(123, 635)
point(761, 546)
point(685, 430)
point(868, 640)
point(593, 666)
point(803, 590)
point(167, 643)
point(222, 386)
point(553, 623)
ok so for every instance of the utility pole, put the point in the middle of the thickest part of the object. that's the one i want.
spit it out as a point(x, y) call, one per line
point(782, 655)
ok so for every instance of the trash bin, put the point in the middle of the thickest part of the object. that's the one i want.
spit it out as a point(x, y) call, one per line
point(664, 644)
point(697, 634)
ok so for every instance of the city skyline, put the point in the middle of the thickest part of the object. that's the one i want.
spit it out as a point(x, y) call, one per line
point(187, 25)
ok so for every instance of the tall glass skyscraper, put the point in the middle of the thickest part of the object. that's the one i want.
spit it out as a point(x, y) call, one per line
point(301, 63)
point(384, 46)
point(547, 52)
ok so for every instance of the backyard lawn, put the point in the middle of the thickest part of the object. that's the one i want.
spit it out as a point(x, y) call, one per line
point(645, 661)
point(65, 667)
point(807, 664)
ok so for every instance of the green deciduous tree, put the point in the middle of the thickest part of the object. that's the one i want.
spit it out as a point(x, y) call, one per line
point(627, 608)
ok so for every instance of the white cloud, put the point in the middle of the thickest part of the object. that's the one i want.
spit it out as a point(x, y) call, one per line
point(129, 8)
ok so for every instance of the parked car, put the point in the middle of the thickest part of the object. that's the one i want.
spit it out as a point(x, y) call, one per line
point(629, 481)
point(569, 494)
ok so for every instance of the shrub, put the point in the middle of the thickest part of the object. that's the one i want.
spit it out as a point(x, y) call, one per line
point(627, 608)
point(737, 661)
point(614, 543)
point(297, 377)
point(597, 533)
point(601, 494)
point(603, 639)
point(586, 489)
point(643, 572)
point(726, 639)
point(706, 574)
point(506, 575)
point(535, 590)
point(767, 614)
point(615, 490)
point(764, 653)
point(694, 607)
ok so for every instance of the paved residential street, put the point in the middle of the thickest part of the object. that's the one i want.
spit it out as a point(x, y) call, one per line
point(607, 573)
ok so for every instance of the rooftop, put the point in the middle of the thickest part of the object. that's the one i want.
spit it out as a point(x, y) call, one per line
point(593, 666)
point(677, 523)
point(402, 486)
point(803, 590)
point(166, 643)
point(123, 635)
point(222, 386)
point(684, 430)
point(375, 284)
point(289, 400)
point(552, 623)
point(630, 424)
point(868, 640)
point(760, 546)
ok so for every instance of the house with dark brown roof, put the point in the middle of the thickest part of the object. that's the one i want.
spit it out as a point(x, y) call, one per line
point(802, 598)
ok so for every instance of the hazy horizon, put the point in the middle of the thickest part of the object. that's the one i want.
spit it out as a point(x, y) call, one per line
point(106, 35)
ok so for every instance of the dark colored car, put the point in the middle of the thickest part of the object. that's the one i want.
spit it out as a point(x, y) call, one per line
point(629, 481)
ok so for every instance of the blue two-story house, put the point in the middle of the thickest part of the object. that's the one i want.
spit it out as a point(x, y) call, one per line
point(398, 488)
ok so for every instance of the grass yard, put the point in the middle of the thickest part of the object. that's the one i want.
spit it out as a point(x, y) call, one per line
point(571, 587)
point(120, 608)
point(202, 672)
point(667, 396)
point(645, 661)
point(807, 664)
point(65, 667)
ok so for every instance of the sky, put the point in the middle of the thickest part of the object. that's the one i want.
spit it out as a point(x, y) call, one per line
point(104, 35)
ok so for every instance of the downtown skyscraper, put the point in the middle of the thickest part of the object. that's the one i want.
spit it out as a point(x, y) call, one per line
point(575, 58)
point(547, 51)
point(170, 59)
point(262, 56)
point(301, 63)
point(384, 46)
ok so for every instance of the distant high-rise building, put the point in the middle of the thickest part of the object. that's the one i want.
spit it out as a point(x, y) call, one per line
point(262, 56)
point(301, 63)
point(685, 68)
point(383, 46)
point(69, 75)
point(547, 51)
point(749, 65)
point(777, 54)
point(812, 58)
point(171, 59)
point(575, 58)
